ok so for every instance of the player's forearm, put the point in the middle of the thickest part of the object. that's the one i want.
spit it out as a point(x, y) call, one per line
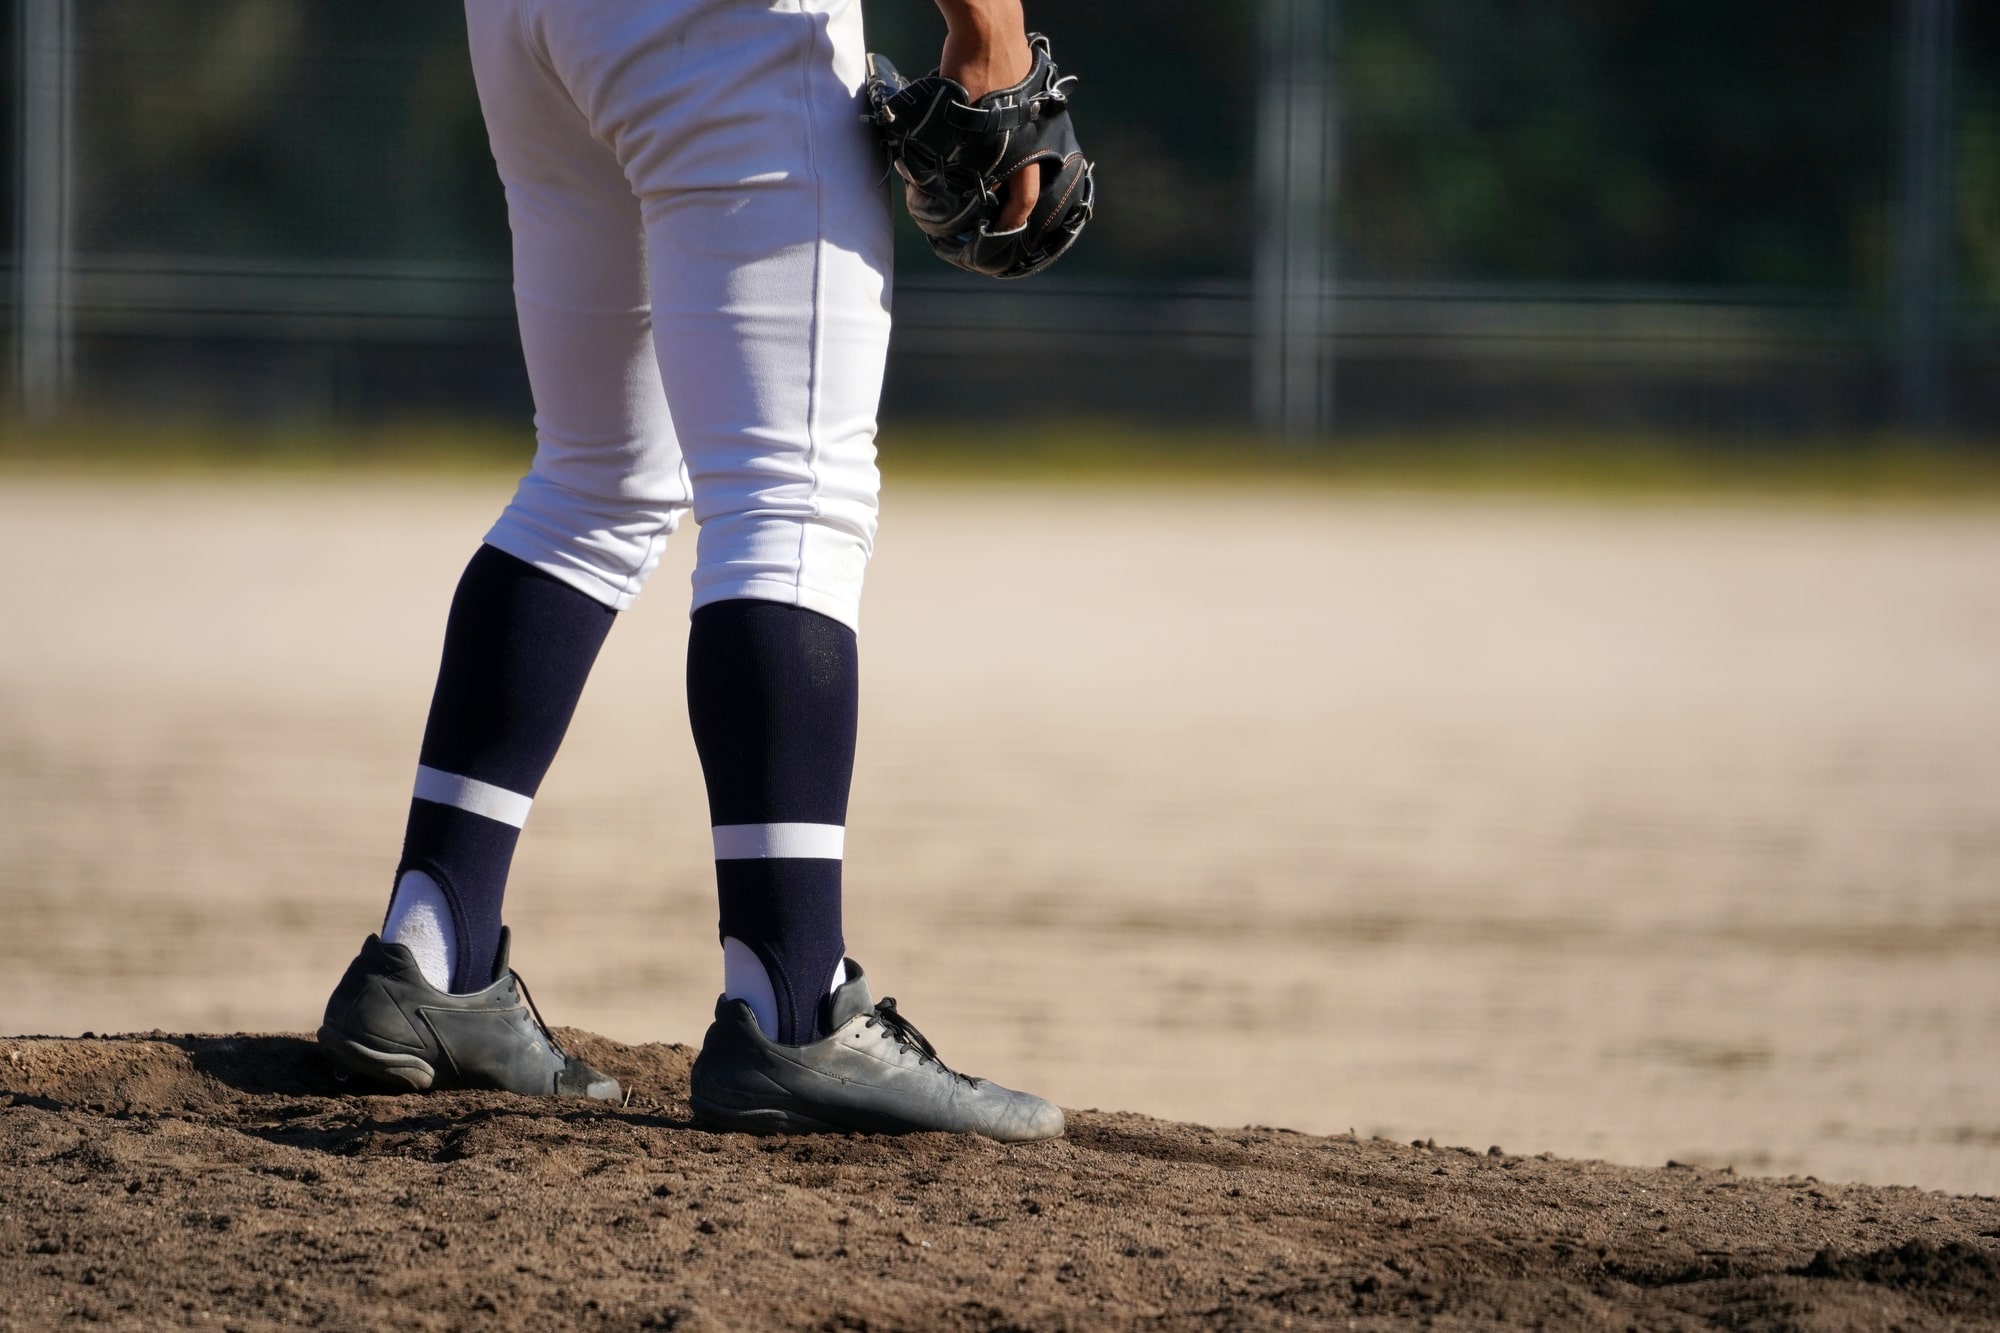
point(985, 45)
point(983, 17)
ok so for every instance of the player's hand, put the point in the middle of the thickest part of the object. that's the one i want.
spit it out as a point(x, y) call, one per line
point(986, 47)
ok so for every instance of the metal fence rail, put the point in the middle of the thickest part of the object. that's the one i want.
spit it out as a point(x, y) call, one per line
point(181, 297)
point(1168, 350)
point(185, 297)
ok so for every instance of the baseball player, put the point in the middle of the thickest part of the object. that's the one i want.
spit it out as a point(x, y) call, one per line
point(701, 250)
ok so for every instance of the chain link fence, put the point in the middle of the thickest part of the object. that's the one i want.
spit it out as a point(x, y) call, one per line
point(1320, 217)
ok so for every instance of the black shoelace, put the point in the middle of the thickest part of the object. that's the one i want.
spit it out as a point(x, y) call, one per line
point(890, 1017)
point(535, 1009)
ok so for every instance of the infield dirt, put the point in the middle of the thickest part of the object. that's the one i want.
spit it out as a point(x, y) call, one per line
point(232, 1183)
point(1636, 832)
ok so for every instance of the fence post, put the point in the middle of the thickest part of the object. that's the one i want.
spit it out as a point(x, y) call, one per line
point(1296, 175)
point(1924, 216)
point(45, 117)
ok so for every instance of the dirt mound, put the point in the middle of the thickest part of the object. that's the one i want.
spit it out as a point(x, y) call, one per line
point(233, 1182)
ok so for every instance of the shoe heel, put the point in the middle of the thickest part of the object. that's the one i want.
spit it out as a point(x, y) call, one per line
point(407, 1072)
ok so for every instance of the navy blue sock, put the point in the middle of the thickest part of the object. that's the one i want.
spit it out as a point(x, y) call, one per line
point(518, 646)
point(772, 695)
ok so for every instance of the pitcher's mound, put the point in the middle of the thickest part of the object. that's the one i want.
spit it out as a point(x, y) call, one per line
point(233, 1182)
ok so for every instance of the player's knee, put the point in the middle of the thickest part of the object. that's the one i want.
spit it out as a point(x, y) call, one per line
point(607, 545)
point(816, 560)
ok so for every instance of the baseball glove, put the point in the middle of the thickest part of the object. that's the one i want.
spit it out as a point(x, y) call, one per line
point(956, 155)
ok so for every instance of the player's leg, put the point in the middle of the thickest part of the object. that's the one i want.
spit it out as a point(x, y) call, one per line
point(773, 691)
point(518, 647)
point(769, 240)
point(586, 525)
point(581, 535)
point(768, 236)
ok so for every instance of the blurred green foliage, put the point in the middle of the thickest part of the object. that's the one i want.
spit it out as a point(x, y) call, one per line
point(270, 129)
point(1978, 154)
point(1689, 142)
point(1645, 141)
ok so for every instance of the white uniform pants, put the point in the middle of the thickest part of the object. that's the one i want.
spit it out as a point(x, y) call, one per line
point(701, 266)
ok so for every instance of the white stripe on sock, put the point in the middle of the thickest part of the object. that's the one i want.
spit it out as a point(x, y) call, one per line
point(758, 842)
point(473, 796)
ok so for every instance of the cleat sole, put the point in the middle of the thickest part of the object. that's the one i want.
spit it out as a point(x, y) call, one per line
point(410, 1072)
point(758, 1120)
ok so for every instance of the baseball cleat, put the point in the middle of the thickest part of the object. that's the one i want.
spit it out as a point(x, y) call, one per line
point(872, 1074)
point(387, 1024)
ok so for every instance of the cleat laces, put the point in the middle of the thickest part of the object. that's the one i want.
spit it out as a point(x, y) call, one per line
point(886, 1015)
point(540, 1022)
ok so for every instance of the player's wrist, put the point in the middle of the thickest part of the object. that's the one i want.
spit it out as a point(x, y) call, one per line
point(989, 20)
point(985, 45)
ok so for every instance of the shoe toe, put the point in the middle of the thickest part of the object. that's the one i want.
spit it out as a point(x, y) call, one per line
point(1046, 1121)
point(578, 1079)
point(1026, 1119)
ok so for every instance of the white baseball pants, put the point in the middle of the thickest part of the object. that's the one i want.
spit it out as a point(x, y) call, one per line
point(701, 267)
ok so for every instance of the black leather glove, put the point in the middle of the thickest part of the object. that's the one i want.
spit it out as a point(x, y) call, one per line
point(956, 155)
